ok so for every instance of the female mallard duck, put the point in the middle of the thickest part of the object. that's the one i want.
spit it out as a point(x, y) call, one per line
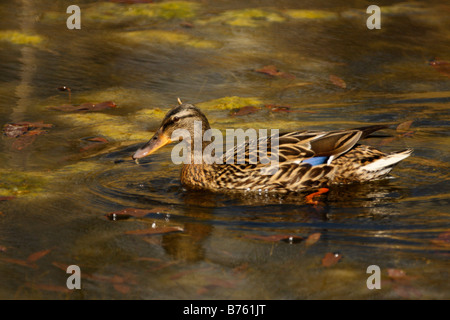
point(306, 159)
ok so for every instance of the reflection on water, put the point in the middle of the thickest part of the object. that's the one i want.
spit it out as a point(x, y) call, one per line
point(57, 186)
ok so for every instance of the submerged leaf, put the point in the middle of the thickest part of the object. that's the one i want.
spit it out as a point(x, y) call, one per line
point(312, 238)
point(404, 127)
point(23, 142)
point(443, 240)
point(94, 143)
point(441, 66)
point(330, 259)
point(7, 198)
point(245, 110)
point(338, 81)
point(37, 255)
point(271, 70)
point(14, 130)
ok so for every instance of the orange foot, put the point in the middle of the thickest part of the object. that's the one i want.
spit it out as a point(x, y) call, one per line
point(309, 198)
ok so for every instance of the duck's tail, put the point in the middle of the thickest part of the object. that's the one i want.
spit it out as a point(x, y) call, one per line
point(365, 163)
point(385, 164)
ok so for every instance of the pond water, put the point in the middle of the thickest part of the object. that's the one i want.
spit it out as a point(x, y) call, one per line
point(57, 186)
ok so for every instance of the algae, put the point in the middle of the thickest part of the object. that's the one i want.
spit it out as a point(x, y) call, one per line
point(14, 183)
point(250, 17)
point(228, 103)
point(119, 13)
point(310, 14)
point(148, 37)
point(164, 10)
point(20, 38)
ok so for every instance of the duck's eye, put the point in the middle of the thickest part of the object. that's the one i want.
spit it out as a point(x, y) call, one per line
point(175, 119)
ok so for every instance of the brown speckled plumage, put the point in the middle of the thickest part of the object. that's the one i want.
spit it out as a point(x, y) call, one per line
point(346, 160)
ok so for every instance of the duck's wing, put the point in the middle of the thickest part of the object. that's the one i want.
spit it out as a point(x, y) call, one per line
point(298, 146)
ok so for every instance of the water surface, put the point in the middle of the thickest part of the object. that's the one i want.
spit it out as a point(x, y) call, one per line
point(143, 57)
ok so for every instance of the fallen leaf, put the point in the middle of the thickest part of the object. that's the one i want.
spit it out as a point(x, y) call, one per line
point(132, 212)
point(442, 240)
point(396, 273)
point(271, 70)
point(312, 238)
point(85, 107)
point(13, 130)
point(338, 81)
point(93, 143)
point(37, 255)
point(387, 141)
point(441, 66)
point(275, 108)
point(401, 283)
point(187, 24)
point(7, 198)
point(97, 139)
point(330, 259)
point(122, 288)
point(404, 126)
point(24, 132)
point(245, 110)
point(22, 142)
point(155, 230)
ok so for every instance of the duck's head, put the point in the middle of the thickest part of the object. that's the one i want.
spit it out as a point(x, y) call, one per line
point(181, 117)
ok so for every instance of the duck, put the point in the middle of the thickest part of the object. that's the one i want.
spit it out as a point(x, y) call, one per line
point(307, 159)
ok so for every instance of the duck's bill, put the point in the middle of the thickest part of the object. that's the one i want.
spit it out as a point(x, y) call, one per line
point(156, 142)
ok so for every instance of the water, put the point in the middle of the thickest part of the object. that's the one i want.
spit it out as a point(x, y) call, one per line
point(231, 246)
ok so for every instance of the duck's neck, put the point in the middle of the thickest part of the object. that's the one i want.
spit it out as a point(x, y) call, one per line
point(196, 144)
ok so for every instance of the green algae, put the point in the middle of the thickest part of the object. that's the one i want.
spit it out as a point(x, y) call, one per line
point(13, 183)
point(119, 13)
point(228, 103)
point(250, 17)
point(149, 37)
point(114, 128)
point(164, 10)
point(310, 14)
